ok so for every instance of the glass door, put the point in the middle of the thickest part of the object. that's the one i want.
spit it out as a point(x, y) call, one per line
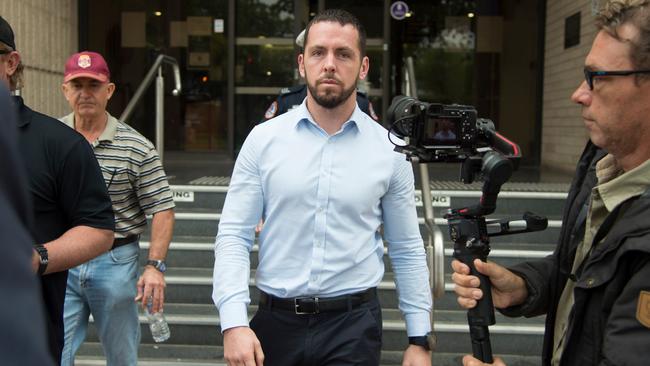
point(131, 34)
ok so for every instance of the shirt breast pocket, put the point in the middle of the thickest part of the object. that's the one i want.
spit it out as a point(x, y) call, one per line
point(117, 179)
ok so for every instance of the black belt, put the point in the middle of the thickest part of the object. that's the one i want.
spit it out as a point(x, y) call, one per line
point(315, 305)
point(118, 242)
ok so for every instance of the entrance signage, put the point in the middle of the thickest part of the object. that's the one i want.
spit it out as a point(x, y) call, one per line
point(183, 196)
point(398, 10)
point(436, 200)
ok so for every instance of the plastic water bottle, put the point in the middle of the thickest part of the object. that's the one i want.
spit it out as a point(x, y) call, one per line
point(158, 325)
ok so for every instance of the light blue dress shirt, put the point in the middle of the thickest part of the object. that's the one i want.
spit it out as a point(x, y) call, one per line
point(323, 199)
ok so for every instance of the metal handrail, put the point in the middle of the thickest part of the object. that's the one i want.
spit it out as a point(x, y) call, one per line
point(435, 244)
point(434, 248)
point(156, 68)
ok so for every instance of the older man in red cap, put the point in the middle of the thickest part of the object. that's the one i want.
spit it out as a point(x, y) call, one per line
point(106, 286)
point(73, 217)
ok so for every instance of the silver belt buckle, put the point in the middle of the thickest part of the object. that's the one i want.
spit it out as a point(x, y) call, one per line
point(296, 306)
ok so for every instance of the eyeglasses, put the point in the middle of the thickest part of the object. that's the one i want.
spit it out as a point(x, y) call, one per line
point(4, 52)
point(589, 74)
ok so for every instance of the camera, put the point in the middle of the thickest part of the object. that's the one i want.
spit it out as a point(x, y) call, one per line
point(435, 132)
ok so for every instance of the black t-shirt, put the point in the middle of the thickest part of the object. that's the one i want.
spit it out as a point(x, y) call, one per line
point(67, 190)
point(22, 341)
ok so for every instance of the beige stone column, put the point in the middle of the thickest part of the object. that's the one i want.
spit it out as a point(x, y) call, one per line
point(563, 132)
point(46, 34)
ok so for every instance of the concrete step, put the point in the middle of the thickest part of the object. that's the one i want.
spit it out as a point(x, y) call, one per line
point(193, 324)
point(204, 223)
point(199, 253)
point(91, 354)
point(194, 321)
point(194, 286)
point(515, 198)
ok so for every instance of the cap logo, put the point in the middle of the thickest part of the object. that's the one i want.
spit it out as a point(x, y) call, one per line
point(84, 61)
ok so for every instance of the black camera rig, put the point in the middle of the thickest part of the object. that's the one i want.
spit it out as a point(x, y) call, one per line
point(452, 133)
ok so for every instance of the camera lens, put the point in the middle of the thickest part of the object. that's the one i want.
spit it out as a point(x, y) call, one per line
point(400, 115)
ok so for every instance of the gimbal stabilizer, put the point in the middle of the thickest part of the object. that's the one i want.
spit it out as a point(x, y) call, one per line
point(469, 231)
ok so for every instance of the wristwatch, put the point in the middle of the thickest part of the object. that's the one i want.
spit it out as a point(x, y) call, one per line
point(43, 260)
point(157, 264)
point(427, 341)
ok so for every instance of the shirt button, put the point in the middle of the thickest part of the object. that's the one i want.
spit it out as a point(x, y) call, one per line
point(590, 282)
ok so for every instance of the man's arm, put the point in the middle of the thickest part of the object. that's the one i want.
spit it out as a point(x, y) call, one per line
point(85, 203)
point(241, 212)
point(538, 275)
point(76, 246)
point(406, 251)
point(152, 281)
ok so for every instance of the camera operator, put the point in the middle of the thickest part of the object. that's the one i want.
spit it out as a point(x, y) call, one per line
point(594, 288)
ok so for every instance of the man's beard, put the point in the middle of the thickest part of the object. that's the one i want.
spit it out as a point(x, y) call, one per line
point(330, 99)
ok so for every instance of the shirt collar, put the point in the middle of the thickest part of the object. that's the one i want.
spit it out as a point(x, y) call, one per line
point(616, 186)
point(356, 119)
point(107, 135)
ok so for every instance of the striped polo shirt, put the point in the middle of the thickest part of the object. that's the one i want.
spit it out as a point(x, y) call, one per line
point(133, 173)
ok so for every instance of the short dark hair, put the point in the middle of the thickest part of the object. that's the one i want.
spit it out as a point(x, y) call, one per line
point(342, 17)
point(616, 13)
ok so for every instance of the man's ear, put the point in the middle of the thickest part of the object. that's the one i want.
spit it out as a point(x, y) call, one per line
point(111, 90)
point(301, 64)
point(13, 60)
point(365, 66)
point(64, 89)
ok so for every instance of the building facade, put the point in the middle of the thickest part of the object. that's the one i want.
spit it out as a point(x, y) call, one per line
point(516, 61)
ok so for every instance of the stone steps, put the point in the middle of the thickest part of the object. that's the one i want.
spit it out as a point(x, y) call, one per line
point(194, 323)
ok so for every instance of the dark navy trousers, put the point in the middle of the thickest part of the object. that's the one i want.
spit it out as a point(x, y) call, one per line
point(341, 338)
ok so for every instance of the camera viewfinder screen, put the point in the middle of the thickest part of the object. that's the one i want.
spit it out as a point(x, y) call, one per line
point(441, 132)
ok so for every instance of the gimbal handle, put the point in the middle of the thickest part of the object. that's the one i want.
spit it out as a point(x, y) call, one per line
point(471, 242)
point(482, 315)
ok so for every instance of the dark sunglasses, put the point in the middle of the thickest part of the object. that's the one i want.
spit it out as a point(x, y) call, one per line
point(4, 52)
point(589, 74)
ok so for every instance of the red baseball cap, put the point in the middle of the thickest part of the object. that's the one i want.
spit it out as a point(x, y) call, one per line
point(86, 64)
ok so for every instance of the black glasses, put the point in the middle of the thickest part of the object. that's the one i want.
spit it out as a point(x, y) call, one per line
point(4, 52)
point(589, 75)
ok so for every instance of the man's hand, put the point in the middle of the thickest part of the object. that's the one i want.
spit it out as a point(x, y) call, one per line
point(259, 226)
point(508, 289)
point(416, 356)
point(471, 361)
point(151, 285)
point(242, 348)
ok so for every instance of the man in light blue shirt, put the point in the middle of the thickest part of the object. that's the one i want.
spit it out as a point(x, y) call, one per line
point(324, 177)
